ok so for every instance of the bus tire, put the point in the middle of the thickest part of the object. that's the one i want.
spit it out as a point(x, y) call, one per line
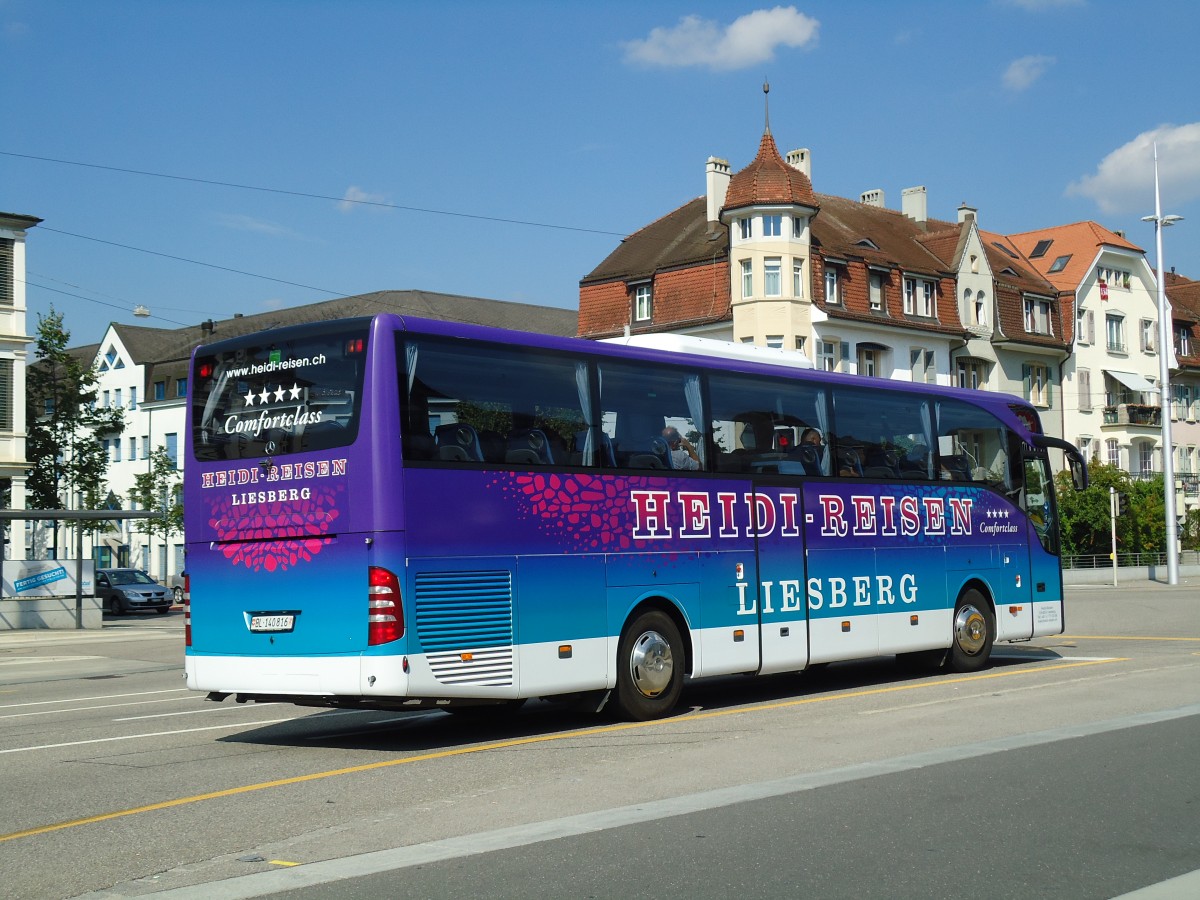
point(974, 631)
point(649, 667)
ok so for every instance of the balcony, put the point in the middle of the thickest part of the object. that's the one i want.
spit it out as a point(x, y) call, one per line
point(1139, 414)
point(1186, 483)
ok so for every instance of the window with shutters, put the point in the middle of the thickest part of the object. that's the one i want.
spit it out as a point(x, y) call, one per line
point(6, 271)
point(1146, 341)
point(1087, 327)
point(1037, 384)
point(1084, 379)
point(6, 395)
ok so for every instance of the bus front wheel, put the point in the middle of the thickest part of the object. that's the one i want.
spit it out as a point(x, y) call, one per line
point(974, 631)
point(649, 667)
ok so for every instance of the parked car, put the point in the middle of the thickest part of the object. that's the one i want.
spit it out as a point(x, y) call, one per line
point(129, 590)
point(178, 586)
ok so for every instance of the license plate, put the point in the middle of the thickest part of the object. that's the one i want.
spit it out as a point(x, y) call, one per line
point(272, 623)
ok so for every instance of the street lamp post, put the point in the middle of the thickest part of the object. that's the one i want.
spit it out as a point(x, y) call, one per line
point(1164, 382)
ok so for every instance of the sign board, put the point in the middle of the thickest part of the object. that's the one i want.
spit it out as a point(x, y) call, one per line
point(29, 579)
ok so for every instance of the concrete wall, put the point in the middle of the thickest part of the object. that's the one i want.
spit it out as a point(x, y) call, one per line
point(48, 612)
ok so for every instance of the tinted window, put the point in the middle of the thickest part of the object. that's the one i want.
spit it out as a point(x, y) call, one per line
point(972, 445)
point(768, 426)
point(651, 416)
point(277, 393)
point(880, 434)
point(483, 403)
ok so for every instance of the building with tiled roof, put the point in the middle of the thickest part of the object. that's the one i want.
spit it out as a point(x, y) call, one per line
point(763, 258)
point(1112, 406)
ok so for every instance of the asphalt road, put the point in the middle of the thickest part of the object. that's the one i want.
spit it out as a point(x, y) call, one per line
point(1068, 769)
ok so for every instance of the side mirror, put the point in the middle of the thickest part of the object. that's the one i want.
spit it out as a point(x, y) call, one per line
point(1079, 473)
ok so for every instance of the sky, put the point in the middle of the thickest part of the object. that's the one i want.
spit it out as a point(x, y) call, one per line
point(203, 159)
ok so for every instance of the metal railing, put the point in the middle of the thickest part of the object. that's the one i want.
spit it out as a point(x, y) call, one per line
point(1104, 561)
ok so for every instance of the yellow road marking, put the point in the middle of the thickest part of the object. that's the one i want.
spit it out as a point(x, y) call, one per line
point(282, 862)
point(537, 739)
point(1122, 637)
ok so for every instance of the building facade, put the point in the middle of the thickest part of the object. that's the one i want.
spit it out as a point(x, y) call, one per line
point(14, 355)
point(857, 287)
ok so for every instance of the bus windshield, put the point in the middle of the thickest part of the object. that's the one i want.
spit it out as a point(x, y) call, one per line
point(279, 393)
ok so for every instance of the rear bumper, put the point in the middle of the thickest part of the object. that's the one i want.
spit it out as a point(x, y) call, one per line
point(301, 676)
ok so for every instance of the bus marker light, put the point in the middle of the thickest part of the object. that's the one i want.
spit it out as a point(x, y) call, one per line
point(913, 620)
point(1018, 581)
point(565, 651)
point(845, 626)
point(404, 665)
point(740, 570)
point(739, 636)
point(466, 657)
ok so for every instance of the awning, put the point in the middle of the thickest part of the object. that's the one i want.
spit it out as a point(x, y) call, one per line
point(1133, 381)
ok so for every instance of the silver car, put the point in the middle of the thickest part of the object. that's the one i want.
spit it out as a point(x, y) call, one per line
point(129, 590)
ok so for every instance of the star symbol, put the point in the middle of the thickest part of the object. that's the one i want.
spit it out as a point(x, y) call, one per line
point(265, 395)
point(249, 398)
point(279, 392)
point(295, 391)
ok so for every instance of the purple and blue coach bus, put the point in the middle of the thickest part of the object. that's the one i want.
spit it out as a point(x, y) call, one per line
point(391, 512)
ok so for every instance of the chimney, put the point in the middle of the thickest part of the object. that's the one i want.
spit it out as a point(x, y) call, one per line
point(1119, 232)
point(716, 175)
point(207, 327)
point(802, 160)
point(914, 203)
point(872, 198)
point(967, 212)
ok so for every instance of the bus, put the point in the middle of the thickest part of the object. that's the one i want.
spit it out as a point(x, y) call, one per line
point(394, 513)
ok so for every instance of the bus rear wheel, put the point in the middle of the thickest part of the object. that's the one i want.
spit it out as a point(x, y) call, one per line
point(974, 631)
point(649, 667)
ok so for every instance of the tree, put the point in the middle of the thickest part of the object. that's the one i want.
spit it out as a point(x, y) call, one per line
point(160, 489)
point(65, 425)
point(1086, 522)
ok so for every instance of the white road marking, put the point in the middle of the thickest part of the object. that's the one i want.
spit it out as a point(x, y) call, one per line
point(102, 697)
point(134, 737)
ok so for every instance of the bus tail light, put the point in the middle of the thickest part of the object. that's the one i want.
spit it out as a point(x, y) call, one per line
point(385, 621)
point(187, 617)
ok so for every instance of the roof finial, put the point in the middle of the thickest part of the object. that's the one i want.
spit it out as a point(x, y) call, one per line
point(767, 105)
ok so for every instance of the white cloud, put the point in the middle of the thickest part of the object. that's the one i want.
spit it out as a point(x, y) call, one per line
point(356, 197)
point(1124, 180)
point(747, 41)
point(240, 222)
point(1023, 73)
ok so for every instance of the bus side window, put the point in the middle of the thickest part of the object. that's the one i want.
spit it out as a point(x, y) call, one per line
point(639, 406)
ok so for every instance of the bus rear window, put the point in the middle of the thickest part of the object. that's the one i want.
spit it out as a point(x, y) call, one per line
point(278, 394)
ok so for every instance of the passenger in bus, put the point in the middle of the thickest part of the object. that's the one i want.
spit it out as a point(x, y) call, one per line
point(683, 454)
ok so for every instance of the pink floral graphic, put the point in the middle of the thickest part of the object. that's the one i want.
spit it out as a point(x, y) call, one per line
point(246, 530)
point(583, 512)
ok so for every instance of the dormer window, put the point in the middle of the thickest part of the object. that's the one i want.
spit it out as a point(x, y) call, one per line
point(920, 297)
point(868, 243)
point(642, 303)
point(833, 287)
point(1037, 316)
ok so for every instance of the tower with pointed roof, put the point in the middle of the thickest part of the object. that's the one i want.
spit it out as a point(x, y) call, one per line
point(768, 210)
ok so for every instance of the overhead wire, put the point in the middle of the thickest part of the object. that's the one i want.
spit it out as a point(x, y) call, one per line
point(313, 196)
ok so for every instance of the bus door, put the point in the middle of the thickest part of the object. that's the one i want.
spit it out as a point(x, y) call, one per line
point(1045, 572)
point(777, 521)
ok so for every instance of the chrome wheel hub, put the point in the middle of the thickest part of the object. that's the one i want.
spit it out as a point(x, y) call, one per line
point(650, 664)
point(970, 630)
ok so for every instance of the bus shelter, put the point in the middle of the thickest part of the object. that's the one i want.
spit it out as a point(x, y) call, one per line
point(76, 515)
